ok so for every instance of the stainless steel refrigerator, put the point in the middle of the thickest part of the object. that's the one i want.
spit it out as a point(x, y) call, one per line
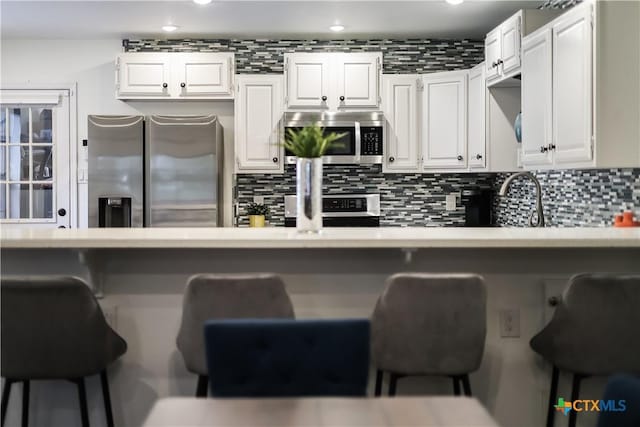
point(164, 171)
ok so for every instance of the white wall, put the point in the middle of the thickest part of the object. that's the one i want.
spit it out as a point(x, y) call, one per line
point(91, 64)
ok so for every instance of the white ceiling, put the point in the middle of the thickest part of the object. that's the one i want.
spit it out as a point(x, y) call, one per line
point(94, 19)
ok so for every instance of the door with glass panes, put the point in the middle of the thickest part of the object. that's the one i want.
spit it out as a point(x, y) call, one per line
point(34, 158)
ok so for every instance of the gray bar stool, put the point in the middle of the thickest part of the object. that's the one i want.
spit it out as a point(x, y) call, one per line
point(595, 330)
point(54, 329)
point(216, 296)
point(429, 324)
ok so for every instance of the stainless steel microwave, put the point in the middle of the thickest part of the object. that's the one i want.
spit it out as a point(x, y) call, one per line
point(362, 143)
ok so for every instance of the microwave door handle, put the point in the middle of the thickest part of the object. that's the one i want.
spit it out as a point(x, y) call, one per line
point(358, 141)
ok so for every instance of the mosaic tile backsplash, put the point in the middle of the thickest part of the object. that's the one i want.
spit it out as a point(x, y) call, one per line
point(405, 199)
point(266, 56)
point(571, 198)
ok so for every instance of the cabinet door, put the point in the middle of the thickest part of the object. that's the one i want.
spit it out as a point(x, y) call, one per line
point(536, 99)
point(400, 106)
point(308, 80)
point(143, 75)
point(444, 127)
point(203, 75)
point(572, 87)
point(476, 135)
point(510, 45)
point(492, 54)
point(358, 79)
point(258, 108)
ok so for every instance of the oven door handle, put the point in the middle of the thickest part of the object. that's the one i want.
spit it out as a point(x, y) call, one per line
point(358, 141)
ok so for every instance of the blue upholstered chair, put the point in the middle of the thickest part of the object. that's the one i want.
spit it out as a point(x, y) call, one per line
point(622, 387)
point(287, 358)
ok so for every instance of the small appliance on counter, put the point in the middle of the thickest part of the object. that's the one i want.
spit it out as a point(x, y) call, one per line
point(338, 210)
point(477, 207)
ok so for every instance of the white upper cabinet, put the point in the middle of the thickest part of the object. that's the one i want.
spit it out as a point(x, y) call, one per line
point(400, 107)
point(502, 44)
point(358, 79)
point(580, 87)
point(144, 75)
point(572, 90)
point(203, 74)
point(536, 99)
point(332, 81)
point(308, 80)
point(258, 109)
point(476, 117)
point(444, 125)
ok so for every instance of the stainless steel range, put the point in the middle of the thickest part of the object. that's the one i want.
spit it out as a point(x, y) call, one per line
point(350, 210)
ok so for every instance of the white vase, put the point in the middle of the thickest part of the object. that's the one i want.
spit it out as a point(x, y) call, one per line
point(309, 194)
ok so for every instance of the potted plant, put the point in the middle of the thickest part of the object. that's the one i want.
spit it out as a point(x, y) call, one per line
point(309, 144)
point(257, 214)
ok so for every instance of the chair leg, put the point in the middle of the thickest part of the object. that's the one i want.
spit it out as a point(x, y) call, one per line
point(456, 386)
point(378, 389)
point(82, 397)
point(106, 397)
point(201, 389)
point(6, 391)
point(393, 382)
point(25, 403)
point(555, 373)
point(575, 394)
point(466, 384)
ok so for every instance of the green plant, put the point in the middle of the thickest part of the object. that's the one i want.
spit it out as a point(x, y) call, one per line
point(310, 141)
point(258, 209)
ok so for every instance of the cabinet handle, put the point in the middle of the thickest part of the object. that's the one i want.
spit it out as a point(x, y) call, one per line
point(500, 61)
point(494, 64)
point(552, 146)
point(275, 160)
point(342, 98)
point(544, 149)
point(62, 212)
point(460, 158)
point(324, 98)
point(478, 156)
point(553, 301)
point(392, 159)
point(165, 85)
point(183, 84)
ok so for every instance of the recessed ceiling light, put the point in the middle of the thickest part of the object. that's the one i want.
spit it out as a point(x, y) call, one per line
point(169, 28)
point(202, 1)
point(454, 2)
point(336, 28)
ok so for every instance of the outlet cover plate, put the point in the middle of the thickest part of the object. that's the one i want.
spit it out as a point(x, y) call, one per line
point(509, 323)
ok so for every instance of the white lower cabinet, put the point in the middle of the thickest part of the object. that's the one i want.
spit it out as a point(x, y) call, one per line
point(258, 108)
point(444, 120)
point(400, 107)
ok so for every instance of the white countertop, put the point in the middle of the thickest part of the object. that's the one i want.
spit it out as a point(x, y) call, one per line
point(284, 238)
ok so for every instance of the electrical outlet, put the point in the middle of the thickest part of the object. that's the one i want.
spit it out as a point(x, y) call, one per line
point(510, 323)
point(450, 202)
point(111, 316)
point(258, 199)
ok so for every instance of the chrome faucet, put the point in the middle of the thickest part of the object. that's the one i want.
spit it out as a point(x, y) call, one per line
point(536, 219)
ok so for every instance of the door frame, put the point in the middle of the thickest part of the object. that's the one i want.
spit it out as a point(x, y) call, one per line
point(73, 136)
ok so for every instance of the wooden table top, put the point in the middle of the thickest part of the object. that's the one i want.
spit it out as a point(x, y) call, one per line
point(343, 412)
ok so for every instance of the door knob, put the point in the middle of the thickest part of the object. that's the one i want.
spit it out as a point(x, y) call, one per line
point(553, 301)
point(478, 156)
point(164, 85)
point(392, 159)
point(460, 158)
point(275, 160)
point(324, 98)
point(342, 98)
point(62, 212)
point(183, 84)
